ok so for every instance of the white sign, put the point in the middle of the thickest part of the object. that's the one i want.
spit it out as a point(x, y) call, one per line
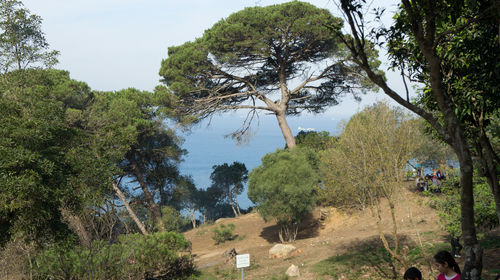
point(242, 261)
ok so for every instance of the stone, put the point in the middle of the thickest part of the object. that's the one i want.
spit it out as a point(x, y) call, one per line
point(293, 271)
point(281, 250)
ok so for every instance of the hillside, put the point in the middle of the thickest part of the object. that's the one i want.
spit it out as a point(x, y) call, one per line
point(339, 234)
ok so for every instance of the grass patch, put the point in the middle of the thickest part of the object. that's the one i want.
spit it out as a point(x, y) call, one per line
point(357, 263)
point(218, 274)
point(370, 260)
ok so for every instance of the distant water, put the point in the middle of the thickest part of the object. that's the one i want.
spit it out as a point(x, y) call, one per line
point(207, 146)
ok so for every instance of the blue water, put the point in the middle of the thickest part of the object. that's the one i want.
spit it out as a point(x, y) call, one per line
point(208, 146)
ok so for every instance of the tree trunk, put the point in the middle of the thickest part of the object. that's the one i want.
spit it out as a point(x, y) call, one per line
point(473, 251)
point(129, 209)
point(286, 131)
point(230, 196)
point(155, 210)
point(394, 253)
point(456, 138)
point(193, 220)
point(75, 223)
point(238, 208)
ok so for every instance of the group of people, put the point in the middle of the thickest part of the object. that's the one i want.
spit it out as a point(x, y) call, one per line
point(445, 264)
point(421, 184)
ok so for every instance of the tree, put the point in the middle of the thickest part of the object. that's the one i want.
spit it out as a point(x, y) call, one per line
point(429, 22)
point(368, 162)
point(230, 179)
point(22, 42)
point(283, 188)
point(469, 65)
point(38, 142)
point(317, 141)
point(129, 132)
point(249, 61)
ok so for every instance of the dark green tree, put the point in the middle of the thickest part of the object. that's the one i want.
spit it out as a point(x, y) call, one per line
point(22, 42)
point(251, 59)
point(212, 204)
point(128, 129)
point(283, 188)
point(231, 180)
point(38, 142)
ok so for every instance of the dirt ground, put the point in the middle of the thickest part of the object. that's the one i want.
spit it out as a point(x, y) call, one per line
point(317, 240)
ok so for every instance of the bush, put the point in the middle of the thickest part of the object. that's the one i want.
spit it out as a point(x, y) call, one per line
point(284, 189)
point(223, 233)
point(448, 206)
point(133, 257)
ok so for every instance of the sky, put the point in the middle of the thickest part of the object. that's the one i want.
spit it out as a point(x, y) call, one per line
point(117, 44)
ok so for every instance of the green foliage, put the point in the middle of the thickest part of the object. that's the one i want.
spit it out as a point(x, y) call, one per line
point(173, 220)
point(223, 233)
point(22, 42)
point(368, 160)
point(38, 143)
point(230, 179)
point(284, 186)
point(448, 206)
point(133, 257)
point(255, 53)
point(318, 141)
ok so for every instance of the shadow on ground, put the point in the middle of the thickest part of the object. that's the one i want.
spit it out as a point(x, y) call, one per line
point(371, 253)
point(308, 228)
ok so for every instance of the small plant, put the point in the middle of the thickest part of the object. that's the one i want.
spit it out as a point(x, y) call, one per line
point(223, 233)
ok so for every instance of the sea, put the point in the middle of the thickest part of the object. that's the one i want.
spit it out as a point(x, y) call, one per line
point(208, 143)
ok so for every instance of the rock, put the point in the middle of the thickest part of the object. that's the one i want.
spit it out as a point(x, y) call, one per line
point(281, 250)
point(293, 271)
point(230, 254)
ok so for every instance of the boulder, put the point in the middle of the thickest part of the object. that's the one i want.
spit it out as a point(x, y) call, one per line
point(281, 250)
point(293, 271)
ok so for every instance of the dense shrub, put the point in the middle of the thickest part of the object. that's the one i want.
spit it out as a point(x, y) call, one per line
point(153, 256)
point(284, 188)
point(223, 233)
point(448, 206)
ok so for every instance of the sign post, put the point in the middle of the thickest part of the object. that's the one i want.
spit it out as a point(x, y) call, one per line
point(242, 261)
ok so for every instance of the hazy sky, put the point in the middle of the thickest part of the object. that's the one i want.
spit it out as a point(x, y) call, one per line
point(116, 44)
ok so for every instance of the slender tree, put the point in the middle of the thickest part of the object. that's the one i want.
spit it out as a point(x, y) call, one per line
point(367, 164)
point(429, 22)
point(22, 42)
